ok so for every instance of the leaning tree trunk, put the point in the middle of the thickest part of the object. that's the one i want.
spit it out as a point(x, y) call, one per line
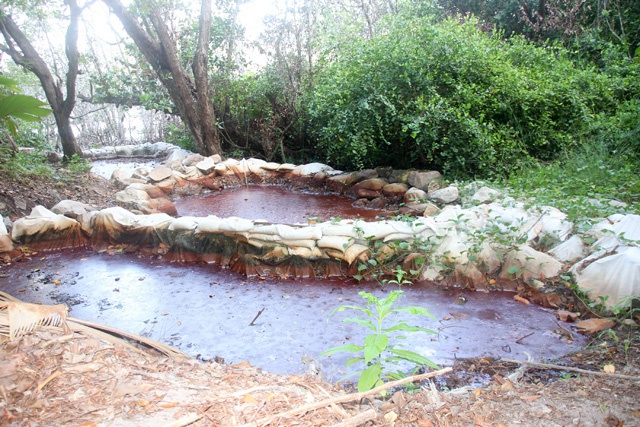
point(24, 54)
point(190, 96)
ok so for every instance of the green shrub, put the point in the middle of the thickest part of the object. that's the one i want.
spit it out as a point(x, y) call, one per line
point(451, 97)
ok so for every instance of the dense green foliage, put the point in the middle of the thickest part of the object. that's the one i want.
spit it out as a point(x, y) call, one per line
point(451, 97)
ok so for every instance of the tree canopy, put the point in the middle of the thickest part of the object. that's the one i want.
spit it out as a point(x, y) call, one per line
point(471, 88)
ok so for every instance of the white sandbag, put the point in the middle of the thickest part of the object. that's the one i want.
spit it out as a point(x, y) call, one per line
point(353, 252)
point(555, 224)
point(570, 250)
point(209, 224)
point(297, 243)
point(615, 277)
point(235, 224)
point(156, 221)
point(529, 263)
point(338, 243)
point(331, 229)
point(299, 233)
point(40, 220)
point(185, 223)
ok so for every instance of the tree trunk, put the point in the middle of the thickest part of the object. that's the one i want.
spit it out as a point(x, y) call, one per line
point(24, 54)
point(191, 96)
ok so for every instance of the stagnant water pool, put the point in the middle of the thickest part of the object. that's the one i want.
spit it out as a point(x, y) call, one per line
point(273, 204)
point(206, 311)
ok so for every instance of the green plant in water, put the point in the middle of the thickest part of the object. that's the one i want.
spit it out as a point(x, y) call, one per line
point(380, 348)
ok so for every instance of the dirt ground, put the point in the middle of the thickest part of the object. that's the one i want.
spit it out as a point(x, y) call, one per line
point(58, 377)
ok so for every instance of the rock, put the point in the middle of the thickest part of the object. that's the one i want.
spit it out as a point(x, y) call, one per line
point(338, 183)
point(395, 190)
point(206, 166)
point(430, 209)
point(445, 195)
point(310, 169)
point(485, 195)
point(131, 195)
point(591, 326)
point(366, 174)
point(193, 159)
point(422, 180)
point(160, 173)
point(377, 203)
point(399, 176)
point(71, 208)
point(414, 196)
point(374, 184)
point(161, 205)
point(384, 172)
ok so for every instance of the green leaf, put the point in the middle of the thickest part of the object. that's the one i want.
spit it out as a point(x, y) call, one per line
point(370, 378)
point(513, 270)
point(408, 328)
point(362, 322)
point(354, 360)
point(346, 348)
point(22, 107)
point(374, 345)
point(421, 311)
point(413, 357)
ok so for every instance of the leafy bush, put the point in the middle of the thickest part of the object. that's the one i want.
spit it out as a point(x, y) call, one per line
point(451, 97)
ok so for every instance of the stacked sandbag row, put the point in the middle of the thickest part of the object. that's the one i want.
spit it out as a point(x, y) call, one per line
point(472, 245)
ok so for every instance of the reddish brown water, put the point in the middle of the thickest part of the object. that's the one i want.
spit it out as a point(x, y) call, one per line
point(206, 311)
point(273, 204)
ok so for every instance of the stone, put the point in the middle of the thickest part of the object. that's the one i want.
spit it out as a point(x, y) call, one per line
point(430, 209)
point(374, 184)
point(395, 190)
point(384, 172)
point(160, 173)
point(399, 176)
point(193, 159)
point(310, 169)
point(415, 196)
point(422, 180)
point(130, 196)
point(363, 193)
point(485, 195)
point(366, 174)
point(445, 195)
point(71, 208)
point(162, 205)
point(206, 166)
point(377, 203)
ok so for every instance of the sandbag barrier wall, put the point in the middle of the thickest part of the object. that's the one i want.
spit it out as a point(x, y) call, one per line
point(472, 246)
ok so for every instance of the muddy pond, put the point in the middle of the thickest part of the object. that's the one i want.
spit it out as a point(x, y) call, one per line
point(207, 311)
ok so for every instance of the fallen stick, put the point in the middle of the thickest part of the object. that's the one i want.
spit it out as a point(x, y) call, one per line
point(346, 398)
point(256, 318)
point(569, 368)
point(358, 419)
